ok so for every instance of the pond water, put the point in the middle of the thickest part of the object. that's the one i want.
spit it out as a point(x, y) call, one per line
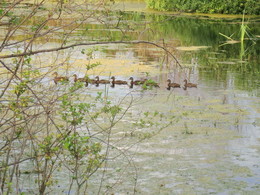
point(214, 147)
point(213, 144)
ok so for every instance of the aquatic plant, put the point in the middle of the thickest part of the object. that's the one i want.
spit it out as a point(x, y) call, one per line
point(244, 30)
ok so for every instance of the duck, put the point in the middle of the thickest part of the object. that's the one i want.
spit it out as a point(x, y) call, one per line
point(84, 79)
point(136, 82)
point(174, 85)
point(79, 79)
point(118, 82)
point(102, 81)
point(186, 84)
point(57, 79)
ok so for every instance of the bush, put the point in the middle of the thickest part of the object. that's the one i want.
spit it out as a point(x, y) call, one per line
point(207, 6)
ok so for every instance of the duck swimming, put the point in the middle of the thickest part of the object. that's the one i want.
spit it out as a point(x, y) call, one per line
point(102, 81)
point(189, 85)
point(136, 82)
point(84, 79)
point(57, 78)
point(173, 85)
point(118, 82)
point(79, 79)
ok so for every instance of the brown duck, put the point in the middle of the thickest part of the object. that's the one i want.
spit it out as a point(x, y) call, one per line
point(118, 82)
point(57, 79)
point(76, 79)
point(136, 82)
point(84, 79)
point(173, 85)
point(186, 84)
point(102, 81)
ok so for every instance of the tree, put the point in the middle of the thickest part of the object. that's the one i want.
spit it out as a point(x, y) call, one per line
point(250, 7)
point(46, 128)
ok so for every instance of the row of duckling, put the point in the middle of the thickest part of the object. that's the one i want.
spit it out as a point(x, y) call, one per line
point(114, 82)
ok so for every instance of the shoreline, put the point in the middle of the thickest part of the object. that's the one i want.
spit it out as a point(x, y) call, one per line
point(119, 5)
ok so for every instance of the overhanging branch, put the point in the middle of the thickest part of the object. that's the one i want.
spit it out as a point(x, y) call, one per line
point(88, 44)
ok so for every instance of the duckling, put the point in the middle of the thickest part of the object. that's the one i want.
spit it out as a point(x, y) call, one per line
point(57, 79)
point(118, 82)
point(102, 81)
point(174, 85)
point(189, 84)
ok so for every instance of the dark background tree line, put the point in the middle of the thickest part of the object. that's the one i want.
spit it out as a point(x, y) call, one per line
point(207, 6)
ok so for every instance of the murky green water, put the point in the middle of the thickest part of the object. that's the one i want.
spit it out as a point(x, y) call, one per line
point(212, 145)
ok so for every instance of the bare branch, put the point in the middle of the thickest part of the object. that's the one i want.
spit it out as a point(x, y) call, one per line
point(89, 44)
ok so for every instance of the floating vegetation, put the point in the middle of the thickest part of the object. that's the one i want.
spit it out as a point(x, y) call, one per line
point(192, 48)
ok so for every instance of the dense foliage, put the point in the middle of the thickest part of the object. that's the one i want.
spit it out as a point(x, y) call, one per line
point(207, 6)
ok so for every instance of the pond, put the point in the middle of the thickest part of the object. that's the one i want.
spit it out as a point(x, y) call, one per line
point(208, 140)
point(214, 148)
